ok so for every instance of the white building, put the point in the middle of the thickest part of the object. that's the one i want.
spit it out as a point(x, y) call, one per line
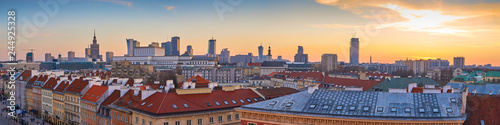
point(149, 51)
point(169, 62)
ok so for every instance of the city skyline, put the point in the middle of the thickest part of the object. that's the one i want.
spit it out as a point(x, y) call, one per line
point(416, 30)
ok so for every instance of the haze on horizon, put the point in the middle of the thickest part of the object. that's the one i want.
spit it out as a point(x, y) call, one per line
point(388, 30)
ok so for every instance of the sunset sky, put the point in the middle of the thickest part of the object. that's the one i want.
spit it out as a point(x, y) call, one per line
point(388, 30)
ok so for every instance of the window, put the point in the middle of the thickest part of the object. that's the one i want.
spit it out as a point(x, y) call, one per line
point(165, 123)
point(136, 119)
point(407, 110)
point(289, 104)
point(229, 118)
point(251, 124)
point(186, 106)
point(421, 110)
point(242, 101)
point(449, 110)
point(175, 106)
point(233, 101)
point(211, 120)
point(150, 123)
point(225, 102)
point(249, 100)
point(237, 116)
point(312, 106)
point(143, 122)
point(339, 107)
point(453, 100)
point(188, 122)
point(200, 121)
point(177, 122)
point(217, 103)
point(220, 118)
point(366, 108)
point(273, 103)
point(394, 109)
point(435, 110)
point(352, 108)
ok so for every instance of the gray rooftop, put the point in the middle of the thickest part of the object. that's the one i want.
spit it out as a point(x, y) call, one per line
point(479, 88)
point(366, 105)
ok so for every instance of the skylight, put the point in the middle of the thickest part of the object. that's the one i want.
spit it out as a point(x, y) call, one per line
point(186, 106)
point(233, 101)
point(255, 99)
point(241, 100)
point(249, 100)
point(352, 108)
point(273, 103)
point(380, 109)
point(312, 106)
point(421, 110)
point(366, 108)
point(261, 99)
point(449, 110)
point(150, 105)
point(289, 104)
point(325, 107)
point(208, 104)
point(225, 102)
point(453, 100)
point(175, 106)
point(143, 103)
point(394, 109)
point(435, 110)
point(407, 110)
point(339, 107)
point(217, 103)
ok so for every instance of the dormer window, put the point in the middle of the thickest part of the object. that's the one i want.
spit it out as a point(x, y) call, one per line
point(453, 100)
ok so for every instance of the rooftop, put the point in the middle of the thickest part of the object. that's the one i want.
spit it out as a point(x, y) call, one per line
point(276, 92)
point(128, 100)
point(492, 74)
point(111, 98)
point(77, 86)
point(94, 93)
point(401, 83)
point(345, 82)
point(366, 105)
point(482, 107)
point(51, 84)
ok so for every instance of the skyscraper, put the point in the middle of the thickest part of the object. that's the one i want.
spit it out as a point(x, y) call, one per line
point(109, 57)
point(94, 50)
point(224, 56)
point(189, 50)
point(354, 51)
point(71, 56)
point(261, 52)
point(131, 44)
point(211, 46)
point(328, 62)
point(48, 57)
point(29, 57)
point(300, 56)
point(459, 62)
point(168, 47)
point(176, 44)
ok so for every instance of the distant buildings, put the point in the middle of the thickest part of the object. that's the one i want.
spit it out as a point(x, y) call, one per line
point(109, 57)
point(459, 62)
point(420, 67)
point(224, 56)
point(242, 58)
point(328, 62)
point(29, 57)
point(176, 44)
point(71, 55)
point(261, 53)
point(269, 56)
point(189, 50)
point(149, 51)
point(354, 51)
point(300, 56)
point(48, 57)
point(268, 67)
point(125, 69)
point(94, 50)
point(168, 48)
point(170, 62)
point(211, 46)
point(131, 44)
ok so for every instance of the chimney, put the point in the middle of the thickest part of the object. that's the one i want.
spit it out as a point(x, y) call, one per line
point(311, 89)
point(465, 92)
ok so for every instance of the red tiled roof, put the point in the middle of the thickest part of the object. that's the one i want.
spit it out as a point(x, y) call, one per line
point(276, 92)
point(95, 93)
point(162, 103)
point(366, 84)
point(25, 74)
point(254, 64)
point(77, 86)
point(483, 107)
point(50, 84)
point(198, 79)
point(41, 78)
point(62, 86)
point(128, 100)
point(130, 82)
point(111, 98)
point(32, 80)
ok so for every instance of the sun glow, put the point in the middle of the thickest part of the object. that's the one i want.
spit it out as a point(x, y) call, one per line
point(424, 20)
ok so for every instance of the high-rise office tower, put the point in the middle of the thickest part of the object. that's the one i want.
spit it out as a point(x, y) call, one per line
point(154, 44)
point(131, 44)
point(459, 62)
point(354, 51)
point(300, 56)
point(261, 52)
point(94, 50)
point(328, 62)
point(224, 56)
point(168, 47)
point(48, 57)
point(211, 46)
point(109, 57)
point(176, 44)
point(189, 50)
point(29, 57)
point(59, 58)
point(87, 52)
point(71, 56)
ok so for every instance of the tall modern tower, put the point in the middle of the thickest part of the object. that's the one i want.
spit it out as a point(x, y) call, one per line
point(224, 56)
point(328, 62)
point(71, 56)
point(168, 47)
point(48, 57)
point(109, 57)
point(176, 44)
point(354, 51)
point(211, 46)
point(459, 62)
point(261, 52)
point(189, 50)
point(131, 44)
point(300, 56)
point(94, 50)
point(29, 57)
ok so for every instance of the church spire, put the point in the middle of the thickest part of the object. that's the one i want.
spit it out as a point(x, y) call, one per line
point(94, 41)
point(269, 51)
